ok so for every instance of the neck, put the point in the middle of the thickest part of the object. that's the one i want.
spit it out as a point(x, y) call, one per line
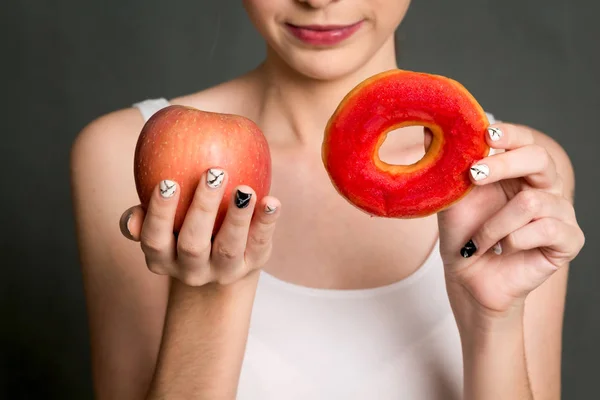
point(296, 108)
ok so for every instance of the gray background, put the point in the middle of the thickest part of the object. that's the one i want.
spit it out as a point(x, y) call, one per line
point(65, 62)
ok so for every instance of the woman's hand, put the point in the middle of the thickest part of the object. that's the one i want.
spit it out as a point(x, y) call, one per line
point(242, 244)
point(512, 231)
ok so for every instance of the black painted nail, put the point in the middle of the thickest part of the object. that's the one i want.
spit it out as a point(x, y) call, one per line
point(468, 250)
point(242, 199)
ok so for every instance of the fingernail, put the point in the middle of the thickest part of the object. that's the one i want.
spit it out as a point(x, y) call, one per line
point(242, 199)
point(497, 248)
point(480, 171)
point(270, 209)
point(167, 188)
point(495, 133)
point(214, 178)
point(468, 250)
point(127, 231)
point(127, 225)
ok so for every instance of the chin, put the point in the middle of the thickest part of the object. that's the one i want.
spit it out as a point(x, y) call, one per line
point(326, 65)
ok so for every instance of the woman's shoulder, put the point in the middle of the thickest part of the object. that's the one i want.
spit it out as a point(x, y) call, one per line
point(117, 131)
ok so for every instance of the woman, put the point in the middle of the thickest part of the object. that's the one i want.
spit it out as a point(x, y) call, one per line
point(467, 304)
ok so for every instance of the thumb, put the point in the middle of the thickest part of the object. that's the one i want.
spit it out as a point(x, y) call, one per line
point(131, 222)
point(428, 139)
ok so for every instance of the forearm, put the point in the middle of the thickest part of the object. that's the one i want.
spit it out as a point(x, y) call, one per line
point(204, 339)
point(494, 358)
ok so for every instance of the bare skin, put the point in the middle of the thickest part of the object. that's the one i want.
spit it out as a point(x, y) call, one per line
point(331, 257)
point(134, 357)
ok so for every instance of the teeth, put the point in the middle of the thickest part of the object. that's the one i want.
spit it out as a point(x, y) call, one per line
point(480, 171)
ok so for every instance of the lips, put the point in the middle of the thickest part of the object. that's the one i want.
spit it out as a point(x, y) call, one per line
point(323, 35)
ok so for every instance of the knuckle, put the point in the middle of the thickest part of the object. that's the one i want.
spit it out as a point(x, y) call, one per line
point(581, 239)
point(549, 228)
point(486, 233)
point(559, 184)
point(529, 202)
point(151, 246)
point(193, 278)
point(226, 252)
point(259, 240)
point(160, 214)
point(232, 276)
point(510, 241)
point(156, 268)
point(192, 249)
point(203, 205)
point(238, 221)
point(544, 156)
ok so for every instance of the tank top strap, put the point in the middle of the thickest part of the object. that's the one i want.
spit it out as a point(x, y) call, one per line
point(149, 106)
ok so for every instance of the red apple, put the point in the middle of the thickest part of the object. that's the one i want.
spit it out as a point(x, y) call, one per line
point(180, 143)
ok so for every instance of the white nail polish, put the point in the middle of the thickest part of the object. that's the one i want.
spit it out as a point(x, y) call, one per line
point(495, 133)
point(480, 171)
point(497, 248)
point(270, 209)
point(214, 178)
point(167, 188)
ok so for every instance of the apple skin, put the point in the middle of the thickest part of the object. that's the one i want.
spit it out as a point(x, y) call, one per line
point(395, 99)
point(180, 143)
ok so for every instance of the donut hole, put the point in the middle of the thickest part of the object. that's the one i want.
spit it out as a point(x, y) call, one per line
point(404, 146)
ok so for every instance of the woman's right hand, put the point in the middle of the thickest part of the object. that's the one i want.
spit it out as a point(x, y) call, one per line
point(242, 244)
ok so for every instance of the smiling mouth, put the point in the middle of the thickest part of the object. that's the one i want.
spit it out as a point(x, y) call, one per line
point(323, 35)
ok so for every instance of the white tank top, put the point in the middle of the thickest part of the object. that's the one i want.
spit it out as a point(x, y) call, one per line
point(398, 341)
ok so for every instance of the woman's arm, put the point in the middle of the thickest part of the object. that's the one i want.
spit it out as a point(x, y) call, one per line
point(507, 285)
point(494, 358)
point(204, 340)
point(205, 327)
point(523, 352)
point(126, 304)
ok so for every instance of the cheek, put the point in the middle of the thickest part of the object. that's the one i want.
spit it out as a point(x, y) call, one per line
point(262, 13)
point(261, 8)
point(390, 13)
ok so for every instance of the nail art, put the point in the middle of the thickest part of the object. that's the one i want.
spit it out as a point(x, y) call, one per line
point(214, 178)
point(270, 209)
point(242, 199)
point(497, 248)
point(495, 133)
point(167, 188)
point(480, 171)
point(468, 250)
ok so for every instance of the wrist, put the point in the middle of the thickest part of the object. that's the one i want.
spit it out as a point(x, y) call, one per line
point(493, 349)
point(473, 318)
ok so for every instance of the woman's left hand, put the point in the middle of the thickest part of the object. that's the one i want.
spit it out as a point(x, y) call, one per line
point(512, 231)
